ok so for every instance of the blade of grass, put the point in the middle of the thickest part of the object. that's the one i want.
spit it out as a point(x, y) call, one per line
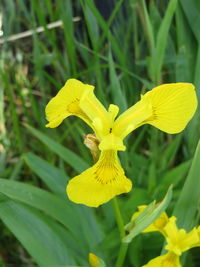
point(50, 175)
point(192, 13)
point(43, 201)
point(68, 156)
point(117, 95)
point(188, 202)
point(157, 59)
point(90, 230)
point(41, 240)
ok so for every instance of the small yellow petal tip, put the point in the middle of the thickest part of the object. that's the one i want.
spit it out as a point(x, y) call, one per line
point(93, 260)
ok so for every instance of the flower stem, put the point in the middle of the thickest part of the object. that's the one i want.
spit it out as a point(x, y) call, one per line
point(118, 216)
point(121, 255)
point(120, 223)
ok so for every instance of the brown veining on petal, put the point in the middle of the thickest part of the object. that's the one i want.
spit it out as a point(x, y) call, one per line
point(108, 168)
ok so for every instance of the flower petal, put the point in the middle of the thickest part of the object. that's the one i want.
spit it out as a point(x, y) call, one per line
point(66, 103)
point(132, 117)
point(157, 225)
point(100, 183)
point(169, 107)
point(178, 240)
point(168, 260)
point(173, 106)
point(96, 112)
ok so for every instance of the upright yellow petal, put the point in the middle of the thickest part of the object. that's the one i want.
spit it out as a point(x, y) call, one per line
point(178, 240)
point(132, 118)
point(173, 106)
point(168, 260)
point(66, 103)
point(113, 110)
point(100, 183)
point(96, 112)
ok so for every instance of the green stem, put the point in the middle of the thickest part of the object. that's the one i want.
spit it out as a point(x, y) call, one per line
point(118, 216)
point(120, 223)
point(121, 255)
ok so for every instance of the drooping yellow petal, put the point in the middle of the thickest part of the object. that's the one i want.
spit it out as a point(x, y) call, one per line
point(66, 103)
point(173, 106)
point(100, 183)
point(96, 112)
point(158, 225)
point(169, 107)
point(168, 260)
point(131, 118)
point(178, 240)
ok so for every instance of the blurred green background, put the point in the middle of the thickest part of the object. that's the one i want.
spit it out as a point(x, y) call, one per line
point(124, 48)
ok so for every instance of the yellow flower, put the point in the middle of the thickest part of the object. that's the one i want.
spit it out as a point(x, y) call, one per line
point(168, 107)
point(178, 240)
point(198, 232)
point(168, 260)
point(157, 225)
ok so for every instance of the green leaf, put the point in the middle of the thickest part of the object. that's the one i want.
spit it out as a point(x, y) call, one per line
point(188, 202)
point(146, 217)
point(67, 155)
point(161, 42)
point(102, 23)
point(89, 230)
point(192, 12)
point(50, 175)
point(43, 201)
point(41, 240)
point(66, 14)
point(173, 176)
point(117, 95)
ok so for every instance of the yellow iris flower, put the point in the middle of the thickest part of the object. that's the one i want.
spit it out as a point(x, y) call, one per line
point(177, 240)
point(168, 260)
point(169, 107)
point(158, 225)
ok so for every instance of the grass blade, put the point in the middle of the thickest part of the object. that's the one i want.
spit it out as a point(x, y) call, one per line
point(188, 202)
point(68, 156)
point(31, 229)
